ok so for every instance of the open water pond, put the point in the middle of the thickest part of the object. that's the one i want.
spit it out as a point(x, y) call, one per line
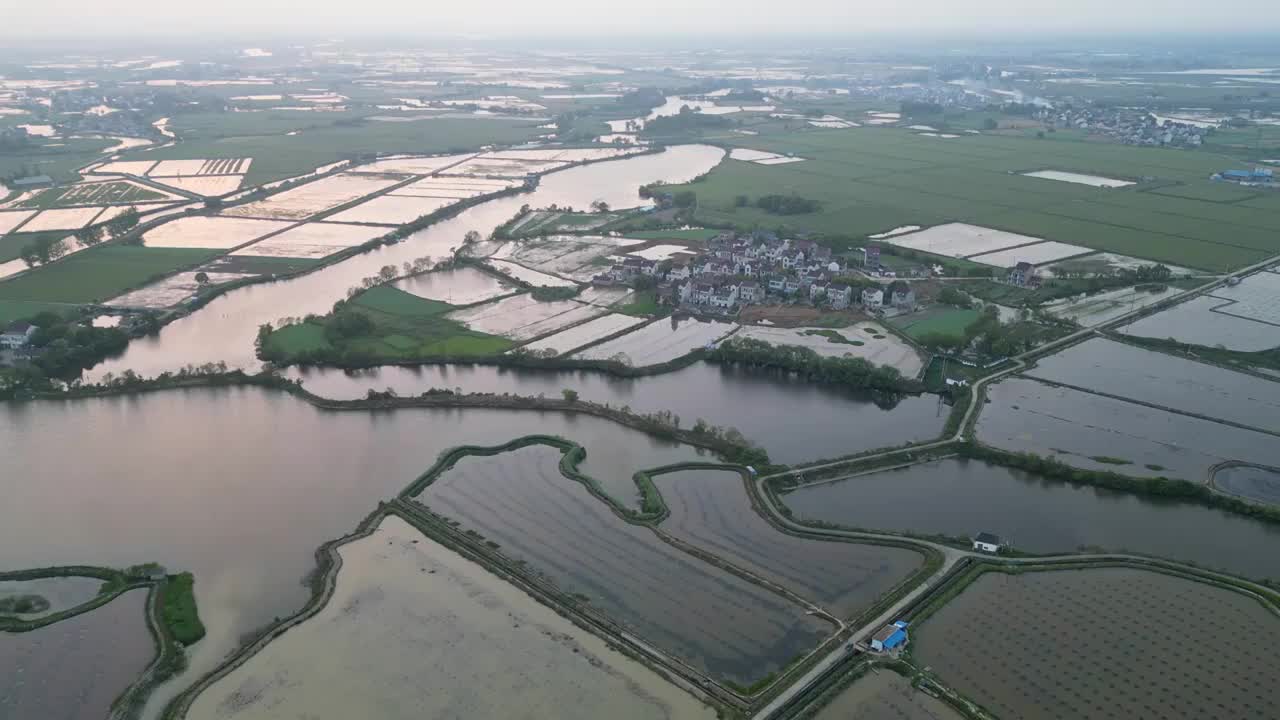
point(74, 669)
point(727, 626)
point(1249, 481)
point(710, 509)
point(456, 286)
point(962, 498)
point(62, 593)
point(417, 631)
point(240, 486)
point(1114, 368)
point(225, 329)
point(821, 421)
point(1103, 433)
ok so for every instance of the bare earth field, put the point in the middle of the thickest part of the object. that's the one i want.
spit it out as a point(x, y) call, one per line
point(392, 209)
point(415, 631)
point(210, 232)
point(312, 240)
point(315, 197)
point(170, 291)
point(1039, 645)
point(888, 350)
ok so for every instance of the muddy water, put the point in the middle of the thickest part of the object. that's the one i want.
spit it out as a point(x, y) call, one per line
point(74, 669)
point(962, 498)
point(714, 620)
point(240, 486)
point(820, 421)
point(224, 330)
point(416, 631)
point(62, 593)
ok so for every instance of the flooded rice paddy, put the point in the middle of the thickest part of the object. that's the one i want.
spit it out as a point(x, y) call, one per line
point(584, 334)
point(415, 631)
point(1090, 310)
point(821, 421)
point(1030, 646)
point(724, 625)
point(1102, 433)
point(889, 349)
point(710, 509)
point(216, 470)
point(961, 498)
point(456, 286)
point(224, 329)
point(62, 593)
point(522, 317)
point(660, 341)
point(1114, 368)
point(75, 669)
point(1244, 317)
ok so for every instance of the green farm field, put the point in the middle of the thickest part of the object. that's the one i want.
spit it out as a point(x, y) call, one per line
point(59, 159)
point(405, 327)
point(99, 274)
point(277, 156)
point(93, 194)
point(941, 320)
point(869, 180)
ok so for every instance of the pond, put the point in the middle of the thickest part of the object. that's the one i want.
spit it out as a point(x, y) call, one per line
point(716, 621)
point(820, 421)
point(75, 669)
point(61, 593)
point(225, 329)
point(1256, 483)
point(240, 486)
point(962, 498)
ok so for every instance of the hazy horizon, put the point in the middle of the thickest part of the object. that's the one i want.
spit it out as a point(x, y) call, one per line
point(503, 19)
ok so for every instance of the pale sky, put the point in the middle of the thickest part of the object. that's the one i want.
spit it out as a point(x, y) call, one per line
point(32, 19)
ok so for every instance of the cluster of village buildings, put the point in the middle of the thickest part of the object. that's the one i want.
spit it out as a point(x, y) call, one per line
point(736, 271)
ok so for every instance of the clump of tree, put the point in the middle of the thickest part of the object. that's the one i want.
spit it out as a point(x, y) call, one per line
point(43, 250)
point(919, 107)
point(787, 204)
point(122, 223)
point(955, 298)
point(852, 372)
point(546, 293)
point(684, 122)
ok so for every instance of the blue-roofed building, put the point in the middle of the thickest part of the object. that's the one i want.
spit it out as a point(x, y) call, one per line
point(890, 637)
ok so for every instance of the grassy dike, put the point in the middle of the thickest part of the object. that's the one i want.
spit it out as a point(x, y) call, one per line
point(171, 617)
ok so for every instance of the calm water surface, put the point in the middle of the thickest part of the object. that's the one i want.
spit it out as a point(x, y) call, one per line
point(962, 498)
point(224, 330)
point(794, 420)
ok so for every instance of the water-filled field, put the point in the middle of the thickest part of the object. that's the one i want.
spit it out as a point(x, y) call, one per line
point(522, 317)
point(660, 341)
point(961, 498)
point(1105, 643)
point(415, 631)
point(1244, 317)
point(588, 332)
point(74, 669)
point(1260, 484)
point(1103, 433)
point(710, 509)
point(61, 593)
point(718, 622)
point(456, 286)
point(885, 695)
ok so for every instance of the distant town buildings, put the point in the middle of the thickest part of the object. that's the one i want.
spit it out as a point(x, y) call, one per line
point(17, 335)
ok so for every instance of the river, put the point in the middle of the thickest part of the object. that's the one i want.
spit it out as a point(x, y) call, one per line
point(225, 329)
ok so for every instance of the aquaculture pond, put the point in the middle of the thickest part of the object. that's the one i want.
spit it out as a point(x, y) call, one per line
point(1028, 646)
point(240, 486)
point(730, 628)
point(57, 593)
point(961, 498)
point(794, 420)
point(1260, 484)
point(1097, 432)
point(225, 329)
point(74, 669)
point(414, 630)
point(710, 509)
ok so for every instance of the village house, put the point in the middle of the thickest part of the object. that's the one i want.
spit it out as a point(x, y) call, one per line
point(817, 290)
point(987, 542)
point(839, 295)
point(873, 298)
point(1022, 275)
point(724, 297)
point(750, 292)
point(903, 298)
point(680, 269)
point(17, 335)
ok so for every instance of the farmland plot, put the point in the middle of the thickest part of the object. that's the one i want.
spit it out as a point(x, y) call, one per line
point(174, 168)
point(456, 286)
point(1078, 178)
point(660, 341)
point(97, 193)
point(710, 509)
point(77, 667)
point(575, 256)
point(392, 210)
point(124, 167)
point(1076, 427)
point(312, 240)
point(171, 290)
point(1090, 310)
point(1037, 254)
point(62, 219)
point(495, 167)
point(588, 332)
point(401, 601)
point(412, 165)
point(714, 620)
point(1245, 317)
point(315, 197)
point(524, 274)
point(523, 318)
point(962, 240)
point(217, 232)
point(1110, 367)
point(207, 185)
point(661, 252)
point(885, 695)
point(11, 219)
point(604, 296)
point(566, 155)
point(1026, 646)
point(888, 350)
